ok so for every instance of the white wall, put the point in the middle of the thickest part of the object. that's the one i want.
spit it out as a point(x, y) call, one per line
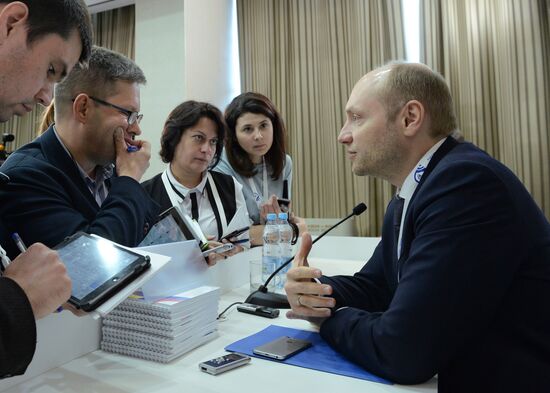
point(160, 52)
point(208, 60)
point(184, 48)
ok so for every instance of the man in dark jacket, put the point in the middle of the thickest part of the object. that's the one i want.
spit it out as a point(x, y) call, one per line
point(459, 285)
point(40, 42)
point(83, 173)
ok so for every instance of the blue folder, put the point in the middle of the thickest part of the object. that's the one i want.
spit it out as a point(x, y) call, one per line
point(319, 357)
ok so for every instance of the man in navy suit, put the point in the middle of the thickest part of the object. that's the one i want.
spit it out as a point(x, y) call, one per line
point(459, 285)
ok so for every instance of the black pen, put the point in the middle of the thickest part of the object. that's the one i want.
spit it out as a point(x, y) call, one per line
point(239, 241)
point(18, 242)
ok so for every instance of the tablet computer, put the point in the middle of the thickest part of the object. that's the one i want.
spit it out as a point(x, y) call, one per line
point(190, 228)
point(98, 268)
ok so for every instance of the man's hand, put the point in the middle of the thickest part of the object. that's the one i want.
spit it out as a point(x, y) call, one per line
point(132, 164)
point(43, 278)
point(305, 295)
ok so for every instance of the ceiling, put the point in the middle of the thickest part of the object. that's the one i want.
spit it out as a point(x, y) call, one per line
point(103, 5)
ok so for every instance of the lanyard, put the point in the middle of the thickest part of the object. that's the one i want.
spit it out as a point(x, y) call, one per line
point(259, 198)
point(222, 219)
point(177, 198)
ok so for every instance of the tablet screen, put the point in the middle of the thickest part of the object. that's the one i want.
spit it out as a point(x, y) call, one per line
point(166, 230)
point(92, 262)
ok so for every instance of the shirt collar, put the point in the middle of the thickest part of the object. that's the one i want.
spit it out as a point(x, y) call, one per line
point(411, 181)
point(102, 172)
point(181, 188)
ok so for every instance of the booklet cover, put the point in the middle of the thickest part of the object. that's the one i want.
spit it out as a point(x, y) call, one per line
point(319, 357)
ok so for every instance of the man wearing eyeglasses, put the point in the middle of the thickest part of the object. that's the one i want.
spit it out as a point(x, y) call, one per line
point(83, 173)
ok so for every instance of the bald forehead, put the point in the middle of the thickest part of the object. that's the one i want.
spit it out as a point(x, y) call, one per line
point(363, 90)
point(373, 85)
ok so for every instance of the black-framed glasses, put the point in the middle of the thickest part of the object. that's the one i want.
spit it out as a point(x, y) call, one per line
point(133, 117)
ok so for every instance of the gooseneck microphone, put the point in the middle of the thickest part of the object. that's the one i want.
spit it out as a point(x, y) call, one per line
point(262, 297)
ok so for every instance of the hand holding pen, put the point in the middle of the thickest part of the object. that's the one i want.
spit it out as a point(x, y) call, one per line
point(19, 242)
point(132, 156)
point(42, 276)
point(22, 247)
point(131, 147)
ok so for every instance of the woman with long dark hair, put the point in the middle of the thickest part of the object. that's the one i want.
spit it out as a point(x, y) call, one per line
point(255, 155)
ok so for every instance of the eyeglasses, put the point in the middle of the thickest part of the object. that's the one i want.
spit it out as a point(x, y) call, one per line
point(133, 117)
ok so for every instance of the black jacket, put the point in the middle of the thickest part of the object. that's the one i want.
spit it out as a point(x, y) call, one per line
point(17, 329)
point(47, 200)
point(473, 300)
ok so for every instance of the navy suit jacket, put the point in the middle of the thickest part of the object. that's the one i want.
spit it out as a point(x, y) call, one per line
point(47, 200)
point(473, 300)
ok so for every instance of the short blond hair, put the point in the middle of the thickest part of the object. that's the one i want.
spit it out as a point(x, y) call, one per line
point(409, 81)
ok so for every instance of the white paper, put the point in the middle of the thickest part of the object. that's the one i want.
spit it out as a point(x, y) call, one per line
point(157, 262)
point(187, 269)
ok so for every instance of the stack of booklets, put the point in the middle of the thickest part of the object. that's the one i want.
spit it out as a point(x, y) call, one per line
point(162, 329)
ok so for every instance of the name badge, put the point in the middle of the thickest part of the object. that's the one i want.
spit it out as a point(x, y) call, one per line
point(418, 173)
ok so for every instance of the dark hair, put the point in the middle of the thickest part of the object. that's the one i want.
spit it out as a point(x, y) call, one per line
point(59, 17)
point(185, 116)
point(238, 158)
point(96, 78)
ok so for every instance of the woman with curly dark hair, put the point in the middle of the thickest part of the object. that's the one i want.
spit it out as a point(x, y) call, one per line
point(191, 143)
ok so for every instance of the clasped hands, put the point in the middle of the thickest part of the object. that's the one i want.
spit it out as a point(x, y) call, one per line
point(309, 299)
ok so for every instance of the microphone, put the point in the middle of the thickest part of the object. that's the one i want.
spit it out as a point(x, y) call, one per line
point(261, 297)
point(8, 138)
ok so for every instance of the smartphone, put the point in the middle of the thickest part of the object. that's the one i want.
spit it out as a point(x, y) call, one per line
point(224, 363)
point(284, 204)
point(282, 348)
point(236, 233)
point(223, 248)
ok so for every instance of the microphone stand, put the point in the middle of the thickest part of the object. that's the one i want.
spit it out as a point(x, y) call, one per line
point(261, 296)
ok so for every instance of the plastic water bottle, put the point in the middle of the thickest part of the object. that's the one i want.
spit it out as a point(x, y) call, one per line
point(285, 243)
point(271, 253)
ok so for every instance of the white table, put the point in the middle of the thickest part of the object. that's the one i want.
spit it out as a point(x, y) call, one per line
point(103, 372)
point(99, 371)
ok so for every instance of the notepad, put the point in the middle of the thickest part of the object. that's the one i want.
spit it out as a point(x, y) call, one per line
point(162, 329)
point(319, 357)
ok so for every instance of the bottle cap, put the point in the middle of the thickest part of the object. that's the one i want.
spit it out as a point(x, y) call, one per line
point(283, 216)
point(271, 216)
